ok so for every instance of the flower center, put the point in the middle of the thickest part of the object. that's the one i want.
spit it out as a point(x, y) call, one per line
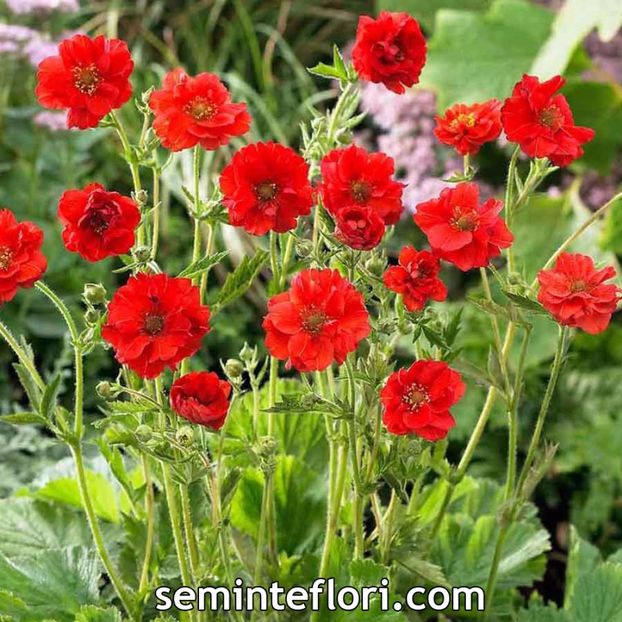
point(578, 286)
point(313, 321)
point(463, 119)
point(86, 79)
point(97, 222)
point(415, 396)
point(201, 109)
point(464, 221)
point(153, 324)
point(266, 190)
point(551, 117)
point(6, 256)
point(419, 271)
point(361, 191)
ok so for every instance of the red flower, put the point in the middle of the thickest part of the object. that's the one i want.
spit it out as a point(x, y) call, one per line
point(541, 122)
point(416, 278)
point(21, 261)
point(576, 295)
point(266, 187)
point(466, 128)
point(390, 49)
point(319, 320)
point(196, 110)
point(359, 227)
point(89, 77)
point(98, 224)
point(417, 400)
point(462, 231)
point(201, 397)
point(353, 177)
point(154, 322)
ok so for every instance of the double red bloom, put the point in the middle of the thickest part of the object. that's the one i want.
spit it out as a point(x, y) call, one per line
point(390, 49)
point(541, 121)
point(416, 278)
point(154, 322)
point(202, 398)
point(266, 187)
point(89, 77)
point(98, 224)
point(21, 261)
point(466, 128)
point(576, 294)
point(196, 110)
point(359, 227)
point(462, 231)
point(318, 321)
point(353, 177)
point(417, 400)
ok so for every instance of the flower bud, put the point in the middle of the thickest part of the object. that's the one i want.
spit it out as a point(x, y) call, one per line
point(94, 294)
point(106, 390)
point(142, 254)
point(143, 433)
point(304, 248)
point(375, 265)
point(91, 316)
point(234, 368)
point(185, 436)
point(140, 197)
point(247, 354)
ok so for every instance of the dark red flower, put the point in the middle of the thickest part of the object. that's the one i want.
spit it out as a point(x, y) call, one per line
point(196, 110)
point(318, 321)
point(266, 187)
point(417, 400)
point(354, 177)
point(541, 122)
point(21, 261)
point(467, 127)
point(89, 77)
point(390, 49)
point(97, 223)
point(416, 278)
point(576, 295)
point(462, 231)
point(359, 227)
point(201, 397)
point(154, 322)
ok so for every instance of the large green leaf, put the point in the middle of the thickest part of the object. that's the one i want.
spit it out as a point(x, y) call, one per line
point(54, 584)
point(425, 10)
point(475, 56)
point(574, 21)
point(600, 596)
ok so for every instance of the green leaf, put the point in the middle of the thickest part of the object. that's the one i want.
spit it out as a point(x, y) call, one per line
point(55, 584)
point(611, 238)
point(541, 613)
point(475, 56)
point(583, 558)
point(238, 281)
point(574, 21)
point(48, 401)
point(367, 572)
point(65, 490)
point(90, 613)
point(600, 596)
point(203, 265)
point(425, 10)
point(28, 527)
point(31, 388)
point(23, 419)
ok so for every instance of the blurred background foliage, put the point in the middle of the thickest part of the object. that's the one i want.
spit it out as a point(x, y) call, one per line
point(477, 49)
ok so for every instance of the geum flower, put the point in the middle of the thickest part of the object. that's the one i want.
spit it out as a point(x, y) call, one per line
point(460, 229)
point(266, 188)
point(317, 322)
point(201, 398)
point(22, 263)
point(89, 78)
point(353, 177)
point(416, 278)
point(154, 322)
point(190, 111)
point(390, 49)
point(97, 223)
point(576, 294)
point(358, 227)
point(467, 127)
point(541, 121)
point(417, 400)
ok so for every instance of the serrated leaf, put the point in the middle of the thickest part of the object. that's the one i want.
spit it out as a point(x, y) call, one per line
point(90, 613)
point(367, 572)
point(136, 407)
point(31, 388)
point(202, 265)
point(600, 596)
point(238, 281)
point(24, 419)
point(48, 401)
point(327, 71)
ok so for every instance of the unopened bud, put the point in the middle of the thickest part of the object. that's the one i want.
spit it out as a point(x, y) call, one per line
point(91, 316)
point(234, 368)
point(143, 433)
point(185, 436)
point(94, 294)
point(304, 248)
point(247, 354)
point(140, 197)
point(106, 390)
point(375, 265)
point(142, 254)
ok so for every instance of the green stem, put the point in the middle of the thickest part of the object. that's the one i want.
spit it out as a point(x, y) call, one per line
point(191, 539)
point(155, 232)
point(23, 357)
point(509, 197)
point(150, 516)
